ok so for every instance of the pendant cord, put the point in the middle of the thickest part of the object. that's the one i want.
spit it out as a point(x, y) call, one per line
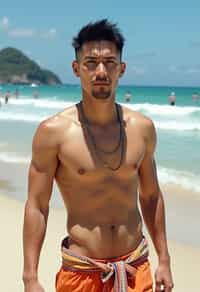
point(121, 140)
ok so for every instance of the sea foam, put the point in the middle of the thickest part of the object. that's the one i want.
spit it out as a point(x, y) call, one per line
point(14, 158)
point(185, 179)
point(164, 110)
point(147, 108)
point(165, 117)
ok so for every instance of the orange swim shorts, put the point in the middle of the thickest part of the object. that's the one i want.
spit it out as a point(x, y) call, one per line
point(91, 281)
point(68, 281)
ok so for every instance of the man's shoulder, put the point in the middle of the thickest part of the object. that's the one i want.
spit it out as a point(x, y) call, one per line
point(137, 118)
point(143, 125)
point(55, 126)
point(60, 120)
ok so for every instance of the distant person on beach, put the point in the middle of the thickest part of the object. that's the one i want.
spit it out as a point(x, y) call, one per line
point(172, 98)
point(101, 155)
point(7, 96)
point(16, 93)
point(128, 96)
point(36, 94)
point(1, 95)
point(195, 96)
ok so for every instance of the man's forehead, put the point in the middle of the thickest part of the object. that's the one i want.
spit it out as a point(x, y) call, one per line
point(98, 48)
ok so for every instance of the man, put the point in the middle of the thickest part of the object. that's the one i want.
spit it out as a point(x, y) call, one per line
point(7, 96)
point(16, 93)
point(36, 94)
point(195, 96)
point(172, 98)
point(101, 156)
point(128, 96)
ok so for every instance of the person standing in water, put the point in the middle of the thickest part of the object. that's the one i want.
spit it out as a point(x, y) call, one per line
point(195, 96)
point(7, 96)
point(172, 98)
point(36, 94)
point(128, 96)
point(16, 93)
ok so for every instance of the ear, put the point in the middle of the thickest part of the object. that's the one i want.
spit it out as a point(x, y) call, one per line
point(122, 69)
point(75, 67)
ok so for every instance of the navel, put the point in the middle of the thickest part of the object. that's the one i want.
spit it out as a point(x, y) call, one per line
point(81, 171)
point(112, 227)
point(135, 166)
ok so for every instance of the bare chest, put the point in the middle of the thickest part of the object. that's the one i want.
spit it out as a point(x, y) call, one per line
point(104, 154)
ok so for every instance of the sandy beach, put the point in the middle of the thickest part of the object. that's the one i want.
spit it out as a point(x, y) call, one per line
point(185, 258)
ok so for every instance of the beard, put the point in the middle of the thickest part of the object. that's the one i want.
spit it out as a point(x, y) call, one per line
point(101, 93)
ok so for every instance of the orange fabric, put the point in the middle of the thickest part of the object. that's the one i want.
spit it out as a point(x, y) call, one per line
point(68, 281)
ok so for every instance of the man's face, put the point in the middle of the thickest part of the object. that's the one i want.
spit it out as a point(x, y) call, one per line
point(99, 68)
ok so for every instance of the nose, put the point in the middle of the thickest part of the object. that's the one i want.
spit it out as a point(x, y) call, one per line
point(101, 70)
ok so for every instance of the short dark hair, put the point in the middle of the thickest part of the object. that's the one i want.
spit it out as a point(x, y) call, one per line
point(101, 30)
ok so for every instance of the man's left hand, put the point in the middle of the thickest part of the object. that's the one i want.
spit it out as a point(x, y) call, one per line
point(163, 278)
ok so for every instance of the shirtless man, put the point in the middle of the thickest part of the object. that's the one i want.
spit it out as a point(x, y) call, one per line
point(172, 98)
point(102, 157)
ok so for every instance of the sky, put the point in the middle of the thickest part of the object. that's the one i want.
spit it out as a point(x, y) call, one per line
point(162, 37)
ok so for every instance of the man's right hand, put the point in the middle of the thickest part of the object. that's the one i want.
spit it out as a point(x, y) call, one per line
point(33, 286)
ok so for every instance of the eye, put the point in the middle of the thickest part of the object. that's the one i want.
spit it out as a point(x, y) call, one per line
point(111, 64)
point(91, 64)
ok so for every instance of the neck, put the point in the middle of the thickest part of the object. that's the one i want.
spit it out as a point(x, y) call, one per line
point(100, 113)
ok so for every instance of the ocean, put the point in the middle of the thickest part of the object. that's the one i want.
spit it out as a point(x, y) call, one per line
point(178, 127)
point(178, 142)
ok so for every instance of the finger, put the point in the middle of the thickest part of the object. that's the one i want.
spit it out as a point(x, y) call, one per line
point(169, 287)
point(158, 287)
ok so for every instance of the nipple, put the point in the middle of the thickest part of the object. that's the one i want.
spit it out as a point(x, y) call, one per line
point(81, 171)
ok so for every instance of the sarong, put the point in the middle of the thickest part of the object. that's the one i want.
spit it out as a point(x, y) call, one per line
point(128, 273)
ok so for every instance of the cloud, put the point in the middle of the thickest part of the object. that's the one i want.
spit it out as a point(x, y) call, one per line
point(185, 69)
point(50, 34)
point(4, 23)
point(16, 32)
point(22, 33)
point(138, 70)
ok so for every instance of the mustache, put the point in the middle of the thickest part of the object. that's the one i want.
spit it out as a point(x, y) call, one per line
point(101, 80)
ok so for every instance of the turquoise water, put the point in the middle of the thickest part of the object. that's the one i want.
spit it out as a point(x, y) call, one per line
point(178, 127)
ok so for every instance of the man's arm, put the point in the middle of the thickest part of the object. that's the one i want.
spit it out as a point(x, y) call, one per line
point(153, 210)
point(41, 175)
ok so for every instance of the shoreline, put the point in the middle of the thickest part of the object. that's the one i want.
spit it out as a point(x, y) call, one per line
point(11, 210)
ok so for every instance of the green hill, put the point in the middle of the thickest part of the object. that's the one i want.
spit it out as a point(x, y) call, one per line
point(17, 68)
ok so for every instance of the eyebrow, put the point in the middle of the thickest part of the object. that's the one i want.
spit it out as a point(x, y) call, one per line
point(94, 58)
